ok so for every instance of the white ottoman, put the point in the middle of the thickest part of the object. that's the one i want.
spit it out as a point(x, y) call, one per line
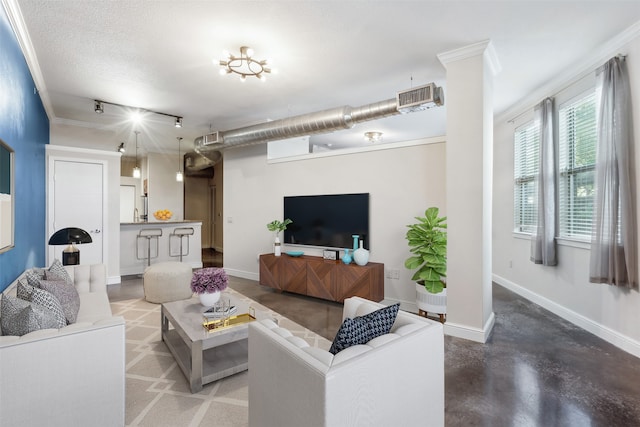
point(167, 281)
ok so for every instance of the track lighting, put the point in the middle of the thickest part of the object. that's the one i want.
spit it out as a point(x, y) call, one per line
point(136, 114)
point(121, 148)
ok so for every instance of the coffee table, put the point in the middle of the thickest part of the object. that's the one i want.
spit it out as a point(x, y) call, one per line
point(206, 356)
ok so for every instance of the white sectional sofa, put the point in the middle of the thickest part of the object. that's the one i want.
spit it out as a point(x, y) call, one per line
point(73, 376)
point(396, 379)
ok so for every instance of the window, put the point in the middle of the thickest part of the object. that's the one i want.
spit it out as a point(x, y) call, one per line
point(526, 148)
point(576, 160)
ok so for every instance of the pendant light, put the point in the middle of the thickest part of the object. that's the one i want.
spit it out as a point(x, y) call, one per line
point(136, 169)
point(179, 176)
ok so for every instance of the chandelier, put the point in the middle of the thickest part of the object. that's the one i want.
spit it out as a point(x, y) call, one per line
point(244, 65)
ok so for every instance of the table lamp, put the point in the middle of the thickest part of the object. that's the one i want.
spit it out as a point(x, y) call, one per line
point(70, 236)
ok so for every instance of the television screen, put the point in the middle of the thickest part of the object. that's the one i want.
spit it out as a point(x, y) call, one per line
point(327, 221)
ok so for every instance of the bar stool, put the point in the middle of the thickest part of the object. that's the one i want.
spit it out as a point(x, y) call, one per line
point(180, 233)
point(148, 234)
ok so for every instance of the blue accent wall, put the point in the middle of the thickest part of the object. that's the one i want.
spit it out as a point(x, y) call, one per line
point(25, 127)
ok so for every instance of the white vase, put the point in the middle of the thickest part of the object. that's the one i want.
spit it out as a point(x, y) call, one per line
point(361, 255)
point(277, 248)
point(208, 299)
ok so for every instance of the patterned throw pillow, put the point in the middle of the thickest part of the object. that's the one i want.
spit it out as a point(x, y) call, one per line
point(51, 303)
point(361, 330)
point(59, 272)
point(19, 317)
point(24, 290)
point(66, 294)
point(33, 277)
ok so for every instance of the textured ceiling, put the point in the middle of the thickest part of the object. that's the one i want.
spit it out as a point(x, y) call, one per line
point(158, 55)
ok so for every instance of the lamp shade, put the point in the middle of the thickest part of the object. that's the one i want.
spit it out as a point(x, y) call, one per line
point(70, 235)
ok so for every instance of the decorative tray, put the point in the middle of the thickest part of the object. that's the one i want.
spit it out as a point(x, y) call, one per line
point(295, 253)
point(229, 322)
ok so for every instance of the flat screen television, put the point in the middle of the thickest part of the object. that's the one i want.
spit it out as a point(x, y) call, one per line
point(327, 221)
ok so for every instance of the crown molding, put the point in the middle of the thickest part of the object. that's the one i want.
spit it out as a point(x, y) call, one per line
point(14, 14)
point(572, 74)
point(484, 47)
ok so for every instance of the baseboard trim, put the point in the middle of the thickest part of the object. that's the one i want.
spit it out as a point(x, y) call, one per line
point(242, 274)
point(468, 333)
point(114, 280)
point(613, 337)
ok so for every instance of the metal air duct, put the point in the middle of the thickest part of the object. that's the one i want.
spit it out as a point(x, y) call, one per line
point(306, 124)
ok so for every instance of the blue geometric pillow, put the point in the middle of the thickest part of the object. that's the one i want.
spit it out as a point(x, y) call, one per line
point(362, 329)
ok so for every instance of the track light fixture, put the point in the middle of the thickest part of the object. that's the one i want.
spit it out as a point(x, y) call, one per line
point(121, 148)
point(137, 113)
point(244, 65)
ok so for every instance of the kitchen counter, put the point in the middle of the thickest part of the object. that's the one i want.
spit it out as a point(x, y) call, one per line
point(134, 250)
point(154, 222)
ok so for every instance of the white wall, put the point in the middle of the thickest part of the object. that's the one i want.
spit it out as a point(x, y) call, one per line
point(402, 183)
point(164, 191)
point(607, 311)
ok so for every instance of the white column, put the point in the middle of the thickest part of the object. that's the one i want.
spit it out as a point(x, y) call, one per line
point(469, 103)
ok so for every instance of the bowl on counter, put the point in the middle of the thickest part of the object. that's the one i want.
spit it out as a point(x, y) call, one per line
point(163, 215)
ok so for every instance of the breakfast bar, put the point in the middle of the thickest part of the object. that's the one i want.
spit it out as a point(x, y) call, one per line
point(144, 243)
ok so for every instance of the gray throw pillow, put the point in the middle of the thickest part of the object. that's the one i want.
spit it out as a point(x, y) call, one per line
point(59, 272)
point(19, 317)
point(51, 303)
point(33, 277)
point(24, 290)
point(66, 294)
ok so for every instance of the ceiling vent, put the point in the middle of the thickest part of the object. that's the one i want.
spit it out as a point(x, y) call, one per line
point(211, 138)
point(419, 98)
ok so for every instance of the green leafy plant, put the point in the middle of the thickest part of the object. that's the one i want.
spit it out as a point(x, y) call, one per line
point(428, 244)
point(278, 226)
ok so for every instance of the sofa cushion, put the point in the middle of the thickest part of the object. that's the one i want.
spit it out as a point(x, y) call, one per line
point(19, 317)
point(362, 329)
point(66, 294)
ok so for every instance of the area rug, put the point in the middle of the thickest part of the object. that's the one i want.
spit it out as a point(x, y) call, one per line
point(157, 393)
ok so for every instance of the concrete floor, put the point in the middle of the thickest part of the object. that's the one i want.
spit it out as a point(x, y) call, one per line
point(535, 370)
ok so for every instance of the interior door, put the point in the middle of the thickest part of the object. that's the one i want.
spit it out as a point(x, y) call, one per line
point(78, 202)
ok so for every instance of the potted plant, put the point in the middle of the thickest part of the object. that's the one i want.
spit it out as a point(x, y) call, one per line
point(428, 244)
point(208, 283)
point(278, 227)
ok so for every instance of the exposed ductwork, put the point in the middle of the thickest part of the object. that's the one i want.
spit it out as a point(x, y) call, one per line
point(212, 145)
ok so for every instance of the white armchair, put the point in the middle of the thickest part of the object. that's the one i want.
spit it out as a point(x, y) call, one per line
point(394, 379)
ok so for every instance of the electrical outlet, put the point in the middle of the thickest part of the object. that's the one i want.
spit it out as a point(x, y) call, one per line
point(393, 274)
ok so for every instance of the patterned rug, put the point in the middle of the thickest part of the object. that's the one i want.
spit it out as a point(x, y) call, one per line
point(157, 393)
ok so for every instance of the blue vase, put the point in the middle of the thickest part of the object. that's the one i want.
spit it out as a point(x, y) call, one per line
point(355, 241)
point(347, 257)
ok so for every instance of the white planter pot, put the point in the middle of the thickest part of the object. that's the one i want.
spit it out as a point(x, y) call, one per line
point(209, 299)
point(431, 303)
